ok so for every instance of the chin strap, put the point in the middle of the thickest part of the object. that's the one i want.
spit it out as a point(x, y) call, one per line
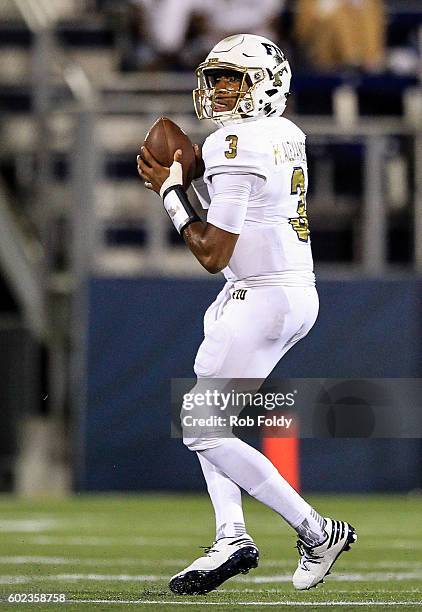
point(175, 200)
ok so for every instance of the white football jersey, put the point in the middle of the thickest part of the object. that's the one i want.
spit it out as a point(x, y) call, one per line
point(274, 242)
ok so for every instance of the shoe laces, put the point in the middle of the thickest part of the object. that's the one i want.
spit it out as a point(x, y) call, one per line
point(307, 554)
point(208, 550)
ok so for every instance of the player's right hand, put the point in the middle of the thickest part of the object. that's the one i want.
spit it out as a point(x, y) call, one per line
point(200, 166)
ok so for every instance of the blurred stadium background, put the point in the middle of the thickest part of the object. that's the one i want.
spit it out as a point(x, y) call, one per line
point(93, 276)
point(101, 304)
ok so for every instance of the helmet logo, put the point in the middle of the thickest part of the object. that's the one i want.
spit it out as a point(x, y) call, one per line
point(277, 80)
point(277, 77)
point(273, 50)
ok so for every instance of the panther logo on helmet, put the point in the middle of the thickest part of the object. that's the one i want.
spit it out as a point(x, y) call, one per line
point(263, 73)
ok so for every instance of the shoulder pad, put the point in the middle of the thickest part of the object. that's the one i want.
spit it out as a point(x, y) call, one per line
point(291, 129)
point(233, 149)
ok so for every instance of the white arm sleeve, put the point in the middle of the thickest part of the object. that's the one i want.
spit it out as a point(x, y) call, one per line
point(201, 190)
point(229, 203)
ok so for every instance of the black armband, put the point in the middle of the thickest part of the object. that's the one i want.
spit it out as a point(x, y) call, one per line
point(178, 207)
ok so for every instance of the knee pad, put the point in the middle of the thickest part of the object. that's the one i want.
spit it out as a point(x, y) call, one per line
point(200, 444)
point(213, 350)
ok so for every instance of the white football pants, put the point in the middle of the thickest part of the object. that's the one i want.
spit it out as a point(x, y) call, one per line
point(246, 338)
point(247, 331)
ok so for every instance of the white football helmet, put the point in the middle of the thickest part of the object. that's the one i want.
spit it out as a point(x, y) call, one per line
point(265, 78)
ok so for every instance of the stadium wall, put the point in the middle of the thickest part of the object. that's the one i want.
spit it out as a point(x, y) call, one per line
point(144, 331)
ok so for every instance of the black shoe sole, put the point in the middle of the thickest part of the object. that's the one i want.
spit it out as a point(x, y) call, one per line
point(197, 582)
point(352, 536)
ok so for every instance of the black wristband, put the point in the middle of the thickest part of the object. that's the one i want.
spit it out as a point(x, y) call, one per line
point(178, 207)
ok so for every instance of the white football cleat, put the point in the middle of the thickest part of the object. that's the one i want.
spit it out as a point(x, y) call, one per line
point(316, 561)
point(225, 558)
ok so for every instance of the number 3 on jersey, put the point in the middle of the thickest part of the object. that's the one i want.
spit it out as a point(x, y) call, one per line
point(232, 152)
point(300, 223)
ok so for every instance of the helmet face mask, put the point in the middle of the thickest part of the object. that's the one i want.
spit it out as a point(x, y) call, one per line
point(263, 74)
point(207, 95)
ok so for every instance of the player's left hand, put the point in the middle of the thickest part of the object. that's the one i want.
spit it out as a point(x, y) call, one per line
point(153, 173)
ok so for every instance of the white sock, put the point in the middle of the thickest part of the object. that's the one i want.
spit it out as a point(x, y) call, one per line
point(226, 499)
point(252, 471)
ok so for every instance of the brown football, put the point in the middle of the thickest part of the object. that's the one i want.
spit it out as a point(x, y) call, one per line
point(163, 140)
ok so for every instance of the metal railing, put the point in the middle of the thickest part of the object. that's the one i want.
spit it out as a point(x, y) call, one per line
point(61, 324)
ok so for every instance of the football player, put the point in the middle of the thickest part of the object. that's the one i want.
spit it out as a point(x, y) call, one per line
point(252, 179)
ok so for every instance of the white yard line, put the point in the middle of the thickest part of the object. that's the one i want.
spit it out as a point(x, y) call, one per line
point(352, 564)
point(107, 541)
point(342, 577)
point(408, 545)
point(28, 525)
point(41, 560)
point(15, 579)
point(151, 602)
point(275, 579)
point(327, 591)
point(81, 577)
point(269, 563)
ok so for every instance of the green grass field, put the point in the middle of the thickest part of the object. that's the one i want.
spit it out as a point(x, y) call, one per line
point(117, 553)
